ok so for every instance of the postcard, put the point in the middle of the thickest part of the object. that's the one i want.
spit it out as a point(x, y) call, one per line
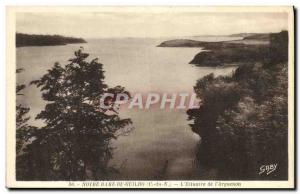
point(150, 97)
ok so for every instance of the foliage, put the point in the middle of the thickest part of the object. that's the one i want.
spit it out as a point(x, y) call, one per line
point(23, 130)
point(243, 118)
point(223, 53)
point(75, 143)
point(233, 55)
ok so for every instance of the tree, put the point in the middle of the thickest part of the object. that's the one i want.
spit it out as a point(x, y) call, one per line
point(23, 132)
point(243, 118)
point(76, 138)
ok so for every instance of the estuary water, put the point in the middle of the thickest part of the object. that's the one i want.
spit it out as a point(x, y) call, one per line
point(162, 139)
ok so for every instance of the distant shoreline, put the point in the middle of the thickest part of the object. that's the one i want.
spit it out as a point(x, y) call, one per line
point(253, 47)
point(24, 40)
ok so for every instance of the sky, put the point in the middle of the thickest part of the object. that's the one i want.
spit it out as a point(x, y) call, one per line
point(147, 24)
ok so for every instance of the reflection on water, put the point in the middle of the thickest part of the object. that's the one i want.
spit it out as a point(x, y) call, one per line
point(161, 140)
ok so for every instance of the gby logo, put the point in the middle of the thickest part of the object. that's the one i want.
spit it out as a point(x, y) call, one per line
point(267, 169)
point(110, 101)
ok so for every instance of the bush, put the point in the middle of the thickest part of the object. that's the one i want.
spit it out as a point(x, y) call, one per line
point(243, 119)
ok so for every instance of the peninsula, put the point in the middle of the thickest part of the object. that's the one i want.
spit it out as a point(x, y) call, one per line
point(44, 40)
point(251, 48)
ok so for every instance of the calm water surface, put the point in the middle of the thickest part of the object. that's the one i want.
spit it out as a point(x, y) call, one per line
point(140, 66)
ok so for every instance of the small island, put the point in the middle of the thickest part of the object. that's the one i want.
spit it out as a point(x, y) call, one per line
point(23, 40)
point(251, 48)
